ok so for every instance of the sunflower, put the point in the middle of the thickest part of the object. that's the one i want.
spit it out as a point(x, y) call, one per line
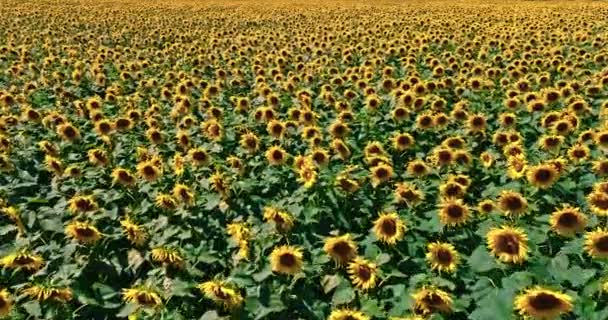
point(199, 157)
point(512, 203)
point(381, 173)
point(123, 177)
point(551, 142)
point(276, 129)
point(178, 163)
point(402, 141)
point(600, 167)
point(320, 157)
point(149, 170)
point(341, 249)
point(52, 164)
point(221, 293)
point(542, 304)
point(68, 132)
point(442, 256)
point(165, 201)
point(417, 168)
point(476, 123)
point(408, 193)
point(598, 202)
point(22, 260)
point(83, 232)
point(578, 153)
point(568, 221)
point(276, 155)
point(6, 303)
point(389, 228)
point(220, 183)
point(601, 139)
point(453, 212)
point(44, 293)
point(49, 148)
point(167, 256)
point(362, 273)
point(508, 244)
point(82, 204)
point(238, 231)
point(428, 300)
point(282, 220)
point(183, 193)
point(340, 148)
point(452, 189)
point(596, 243)
point(542, 176)
point(136, 234)
point(155, 136)
point(486, 206)
point(307, 175)
point(347, 314)
point(141, 295)
point(443, 156)
point(286, 259)
point(517, 166)
point(347, 184)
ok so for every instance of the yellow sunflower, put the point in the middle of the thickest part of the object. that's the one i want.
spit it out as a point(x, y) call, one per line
point(389, 228)
point(141, 295)
point(596, 243)
point(6, 303)
point(542, 176)
point(598, 202)
point(276, 155)
point(183, 193)
point(428, 300)
point(83, 232)
point(221, 293)
point(408, 193)
point(381, 173)
point(136, 234)
point(453, 212)
point(82, 204)
point(282, 220)
point(568, 221)
point(417, 168)
point(512, 203)
point(362, 273)
point(442, 256)
point(508, 244)
point(149, 170)
point(341, 249)
point(347, 314)
point(287, 259)
point(167, 256)
point(542, 304)
point(165, 201)
point(123, 177)
point(22, 260)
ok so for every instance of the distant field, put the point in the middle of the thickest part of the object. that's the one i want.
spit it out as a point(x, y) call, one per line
point(288, 160)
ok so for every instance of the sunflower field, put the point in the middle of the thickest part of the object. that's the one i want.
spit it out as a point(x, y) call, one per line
point(274, 159)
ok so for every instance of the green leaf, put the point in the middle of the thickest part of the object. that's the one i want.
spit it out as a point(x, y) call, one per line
point(330, 282)
point(32, 308)
point(578, 276)
point(127, 310)
point(262, 275)
point(343, 294)
point(371, 307)
point(210, 315)
point(481, 261)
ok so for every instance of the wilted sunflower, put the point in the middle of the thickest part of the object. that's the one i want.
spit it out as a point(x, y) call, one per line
point(282, 220)
point(442, 256)
point(568, 221)
point(342, 249)
point(542, 176)
point(45, 293)
point(22, 260)
point(123, 177)
point(598, 202)
point(286, 259)
point(52, 164)
point(389, 228)
point(381, 173)
point(408, 193)
point(98, 157)
point(165, 201)
point(167, 256)
point(430, 300)
point(512, 203)
point(135, 233)
point(6, 303)
point(221, 293)
point(83, 232)
point(183, 193)
point(362, 273)
point(542, 304)
point(82, 204)
point(347, 314)
point(149, 170)
point(141, 295)
point(508, 244)
point(453, 212)
point(596, 243)
point(276, 155)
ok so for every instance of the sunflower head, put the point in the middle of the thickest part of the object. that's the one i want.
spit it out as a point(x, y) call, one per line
point(341, 249)
point(144, 296)
point(82, 204)
point(222, 293)
point(596, 243)
point(83, 232)
point(22, 260)
point(136, 234)
point(380, 173)
point(512, 203)
point(417, 168)
point(276, 155)
point(542, 176)
point(442, 257)
point(347, 314)
point(598, 202)
point(6, 302)
point(568, 221)
point(282, 220)
point(453, 212)
point(45, 293)
point(287, 259)
point(123, 177)
point(165, 201)
point(430, 300)
point(508, 244)
point(541, 303)
point(183, 193)
point(389, 228)
point(167, 256)
point(362, 273)
point(408, 193)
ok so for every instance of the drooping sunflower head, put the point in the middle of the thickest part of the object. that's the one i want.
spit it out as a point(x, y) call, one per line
point(167, 256)
point(347, 314)
point(83, 232)
point(123, 177)
point(598, 202)
point(282, 220)
point(52, 164)
point(165, 201)
point(22, 260)
point(341, 249)
point(6, 303)
point(512, 203)
point(136, 234)
point(508, 244)
point(389, 228)
point(222, 293)
point(287, 259)
point(430, 300)
point(542, 176)
point(408, 193)
point(453, 212)
point(568, 221)
point(82, 204)
point(362, 273)
point(183, 193)
point(442, 257)
point(380, 173)
point(541, 303)
point(142, 295)
point(596, 243)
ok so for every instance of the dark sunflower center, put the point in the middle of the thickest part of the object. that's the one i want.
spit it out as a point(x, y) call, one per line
point(603, 139)
point(600, 201)
point(23, 260)
point(149, 171)
point(364, 273)
point(342, 249)
point(143, 298)
point(104, 127)
point(277, 155)
point(513, 203)
point(381, 173)
point(3, 303)
point(508, 243)
point(389, 227)
point(568, 220)
point(445, 156)
point(579, 153)
point(85, 232)
point(543, 175)
point(318, 157)
point(277, 129)
point(400, 113)
point(552, 142)
point(221, 294)
point(403, 140)
point(69, 132)
point(562, 126)
point(123, 123)
point(425, 121)
point(444, 256)
point(544, 301)
point(287, 260)
point(478, 122)
point(83, 204)
point(433, 299)
point(487, 207)
point(602, 244)
point(453, 190)
point(419, 168)
point(455, 211)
